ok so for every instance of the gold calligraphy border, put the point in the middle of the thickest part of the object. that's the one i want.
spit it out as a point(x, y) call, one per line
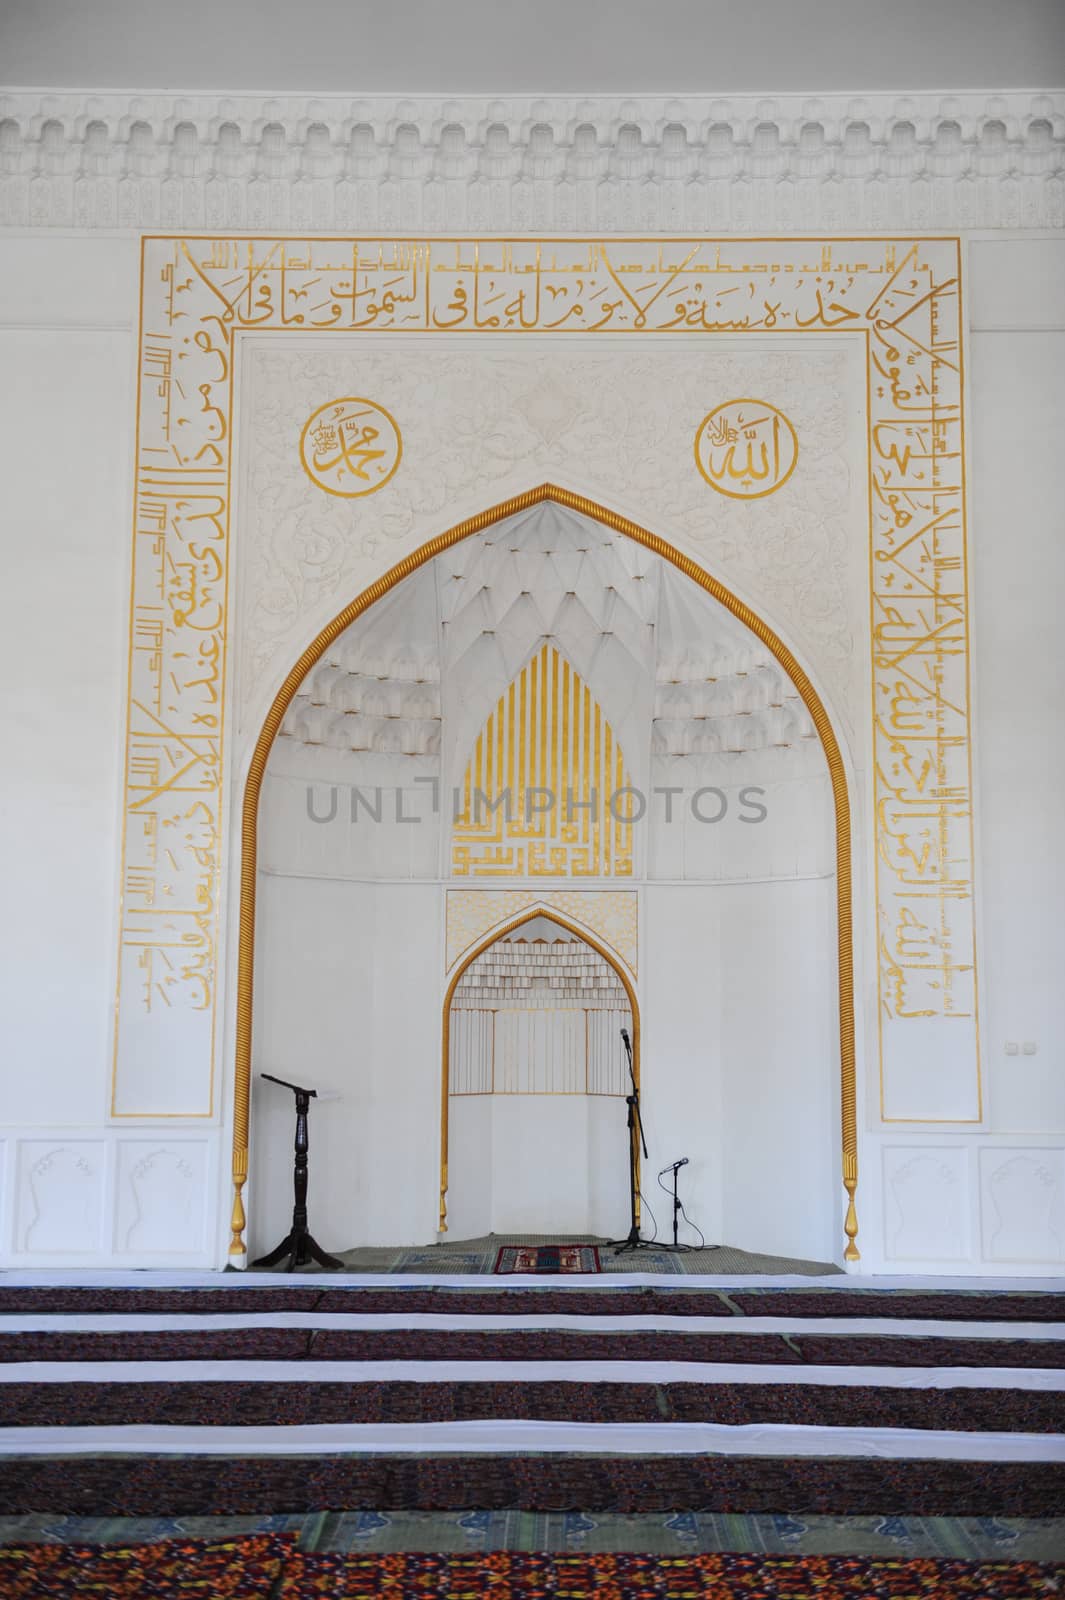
point(247, 283)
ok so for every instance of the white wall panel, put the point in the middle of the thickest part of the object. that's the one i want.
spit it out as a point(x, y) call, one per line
point(65, 415)
point(137, 1199)
point(540, 1176)
point(59, 1207)
point(84, 283)
point(1017, 385)
point(162, 1186)
point(780, 1068)
point(471, 1170)
point(681, 1064)
point(926, 1203)
point(1016, 283)
point(1022, 1204)
point(348, 1000)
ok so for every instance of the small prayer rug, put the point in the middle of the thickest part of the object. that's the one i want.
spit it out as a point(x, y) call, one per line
point(548, 1258)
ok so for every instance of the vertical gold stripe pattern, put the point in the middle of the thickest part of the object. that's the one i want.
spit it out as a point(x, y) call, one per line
point(535, 836)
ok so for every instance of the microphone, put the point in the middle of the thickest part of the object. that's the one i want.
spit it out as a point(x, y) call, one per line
point(683, 1162)
point(625, 1036)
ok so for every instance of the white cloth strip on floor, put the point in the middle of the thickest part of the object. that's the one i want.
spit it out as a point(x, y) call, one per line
point(74, 1322)
point(433, 1372)
point(522, 1438)
point(202, 1278)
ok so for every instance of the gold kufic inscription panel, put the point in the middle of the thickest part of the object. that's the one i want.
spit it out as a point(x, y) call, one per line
point(546, 793)
point(902, 297)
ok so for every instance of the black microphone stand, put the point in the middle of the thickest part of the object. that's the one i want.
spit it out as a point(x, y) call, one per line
point(677, 1208)
point(299, 1243)
point(632, 1240)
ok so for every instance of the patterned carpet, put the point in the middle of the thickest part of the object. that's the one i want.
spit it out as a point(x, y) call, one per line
point(273, 1567)
point(999, 1538)
point(660, 1420)
point(481, 1256)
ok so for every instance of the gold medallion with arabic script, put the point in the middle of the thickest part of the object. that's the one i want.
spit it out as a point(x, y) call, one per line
point(746, 449)
point(350, 447)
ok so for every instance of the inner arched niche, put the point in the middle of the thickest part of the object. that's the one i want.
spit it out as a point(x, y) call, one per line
point(537, 1080)
point(733, 864)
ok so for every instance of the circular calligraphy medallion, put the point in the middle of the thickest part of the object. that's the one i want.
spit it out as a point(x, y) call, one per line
point(746, 449)
point(350, 447)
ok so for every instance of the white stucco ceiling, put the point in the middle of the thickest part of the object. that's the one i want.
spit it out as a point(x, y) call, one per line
point(498, 47)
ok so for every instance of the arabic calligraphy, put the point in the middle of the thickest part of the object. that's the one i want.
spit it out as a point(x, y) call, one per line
point(746, 449)
point(350, 447)
point(899, 297)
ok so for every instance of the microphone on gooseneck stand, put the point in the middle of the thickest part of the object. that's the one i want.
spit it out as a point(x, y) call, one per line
point(678, 1209)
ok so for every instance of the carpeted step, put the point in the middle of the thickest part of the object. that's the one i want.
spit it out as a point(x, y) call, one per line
point(141, 1486)
point(53, 1301)
point(954, 1305)
point(441, 1344)
point(264, 1404)
point(603, 1300)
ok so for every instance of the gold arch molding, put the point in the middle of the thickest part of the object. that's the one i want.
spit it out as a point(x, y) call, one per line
point(369, 596)
point(541, 909)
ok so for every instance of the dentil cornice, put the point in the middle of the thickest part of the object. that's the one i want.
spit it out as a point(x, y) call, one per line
point(905, 163)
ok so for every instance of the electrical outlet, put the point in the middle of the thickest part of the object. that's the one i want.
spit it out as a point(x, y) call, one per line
point(1012, 1047)
point(1028, 1047)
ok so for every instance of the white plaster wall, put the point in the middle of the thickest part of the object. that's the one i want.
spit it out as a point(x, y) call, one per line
point(992, 1197)
point(610, 46)
point(739, 1074)
point(64, 418)
point(558, 1165)
point(680, 1061)
point(71, 1177)
point(1017, 384)
point(780, 1068)
point(75, 1187)
point(348, 978)
point(740, 1062)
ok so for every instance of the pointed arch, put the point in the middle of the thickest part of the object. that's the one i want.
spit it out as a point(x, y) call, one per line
point(501, 931)
point(344, 618)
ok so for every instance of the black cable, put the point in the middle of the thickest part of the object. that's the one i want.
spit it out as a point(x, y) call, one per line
point(654, 1235)
point(695, 1225)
